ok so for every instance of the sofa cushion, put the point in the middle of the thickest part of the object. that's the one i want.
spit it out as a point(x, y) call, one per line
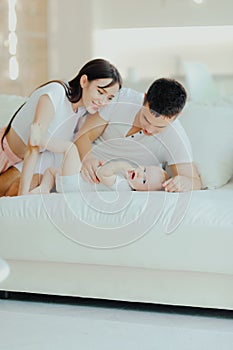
point(210, 130)
point(132, 229)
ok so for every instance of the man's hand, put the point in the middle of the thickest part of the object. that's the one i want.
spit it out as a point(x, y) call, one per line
point(89, 168)
point(179, 183)
point(185, 178)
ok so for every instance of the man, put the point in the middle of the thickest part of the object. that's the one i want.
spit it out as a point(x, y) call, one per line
point(143, 129)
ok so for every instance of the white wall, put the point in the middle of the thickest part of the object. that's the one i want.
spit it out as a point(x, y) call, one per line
point(158, 13)
point(83, 29)
point(70, 28)
point(162, 49)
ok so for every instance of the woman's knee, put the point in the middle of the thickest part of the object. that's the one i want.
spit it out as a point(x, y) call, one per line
point(13, 189)
point(7, 179)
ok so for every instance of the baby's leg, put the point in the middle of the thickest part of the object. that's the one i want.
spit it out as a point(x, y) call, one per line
point(14, 188)
point(71, 162)
point(47, 182)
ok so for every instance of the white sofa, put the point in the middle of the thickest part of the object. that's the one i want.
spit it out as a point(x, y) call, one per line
point(156, 247)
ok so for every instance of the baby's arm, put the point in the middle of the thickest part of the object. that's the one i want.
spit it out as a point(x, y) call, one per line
point(107, 173)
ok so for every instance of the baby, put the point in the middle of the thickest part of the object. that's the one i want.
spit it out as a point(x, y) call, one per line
point(139, 178)
point(110, 174)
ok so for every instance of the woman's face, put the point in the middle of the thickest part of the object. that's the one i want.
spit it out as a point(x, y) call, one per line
point(148, 178)
point(95, 95)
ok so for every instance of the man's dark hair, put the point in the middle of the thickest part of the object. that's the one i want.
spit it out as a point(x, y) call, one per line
point(166, 97)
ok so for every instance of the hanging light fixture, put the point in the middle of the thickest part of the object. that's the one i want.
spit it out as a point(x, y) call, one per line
point(198, 2)
point(12, 40)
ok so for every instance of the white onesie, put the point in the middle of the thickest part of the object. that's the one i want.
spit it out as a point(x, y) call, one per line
point(75, 183)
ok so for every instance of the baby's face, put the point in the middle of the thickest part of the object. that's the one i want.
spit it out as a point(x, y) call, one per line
point(148, 178)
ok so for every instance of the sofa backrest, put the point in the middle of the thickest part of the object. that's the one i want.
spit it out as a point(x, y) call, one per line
point(210, 130)
point(8, 105)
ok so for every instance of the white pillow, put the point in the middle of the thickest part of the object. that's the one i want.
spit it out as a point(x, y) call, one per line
point(210, 130)
point(8, 106)
point(201, 85)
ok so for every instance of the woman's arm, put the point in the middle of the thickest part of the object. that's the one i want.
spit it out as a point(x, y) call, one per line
point(29, 164)
point(43, 116)
point(71, 162)
point(92, 128)
point(38, 138)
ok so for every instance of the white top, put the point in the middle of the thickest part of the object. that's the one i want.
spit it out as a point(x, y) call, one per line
point(171, 146)
point(64, 121)
point(75, 183)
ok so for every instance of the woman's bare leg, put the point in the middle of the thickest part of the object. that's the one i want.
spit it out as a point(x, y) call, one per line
point(14, 188)
point(7, 179)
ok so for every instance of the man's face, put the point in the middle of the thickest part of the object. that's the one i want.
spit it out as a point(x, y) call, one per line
point(152, 124)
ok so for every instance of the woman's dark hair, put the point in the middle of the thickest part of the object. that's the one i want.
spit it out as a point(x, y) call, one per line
point(166, 97)
point(95, 69)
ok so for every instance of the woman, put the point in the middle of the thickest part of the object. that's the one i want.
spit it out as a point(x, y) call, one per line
point(56, 106)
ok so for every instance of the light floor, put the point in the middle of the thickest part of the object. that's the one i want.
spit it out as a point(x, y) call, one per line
point(73, 323)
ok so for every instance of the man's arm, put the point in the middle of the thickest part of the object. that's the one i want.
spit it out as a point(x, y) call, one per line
point(185, 178)
point(92, 128)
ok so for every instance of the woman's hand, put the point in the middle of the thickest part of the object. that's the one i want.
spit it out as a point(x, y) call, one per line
point(89, 168)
